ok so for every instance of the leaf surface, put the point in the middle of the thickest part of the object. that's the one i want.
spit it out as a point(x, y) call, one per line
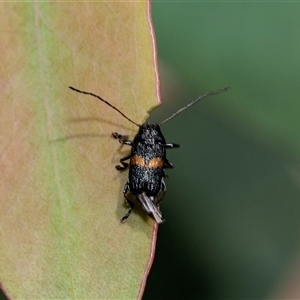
point(61, 197)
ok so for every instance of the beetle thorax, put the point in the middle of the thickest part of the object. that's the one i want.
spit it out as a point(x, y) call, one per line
point(150, 133)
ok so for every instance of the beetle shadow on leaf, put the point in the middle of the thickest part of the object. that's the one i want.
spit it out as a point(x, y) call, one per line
point(76, 136)
point(88, 135)
point(99, 120)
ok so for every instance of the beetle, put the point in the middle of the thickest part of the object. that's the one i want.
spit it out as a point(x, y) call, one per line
point(147, 161)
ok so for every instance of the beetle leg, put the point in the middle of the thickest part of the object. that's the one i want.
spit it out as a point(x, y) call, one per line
point(163, 189)
point(168, 164)
point(170, 145)
point(122, 139)
point(130, 203)
point(124, 164)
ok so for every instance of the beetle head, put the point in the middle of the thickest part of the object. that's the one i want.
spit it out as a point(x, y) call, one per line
point(150, 133)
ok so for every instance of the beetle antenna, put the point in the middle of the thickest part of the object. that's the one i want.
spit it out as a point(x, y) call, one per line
point(106, 102)
point(194, 102)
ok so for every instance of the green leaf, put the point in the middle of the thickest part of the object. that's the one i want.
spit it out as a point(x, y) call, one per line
point(61, 197)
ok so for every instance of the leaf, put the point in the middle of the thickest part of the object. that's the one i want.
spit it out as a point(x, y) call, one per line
point(61, 197)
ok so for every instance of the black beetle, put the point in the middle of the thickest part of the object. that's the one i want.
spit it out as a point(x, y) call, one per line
point(147, 161)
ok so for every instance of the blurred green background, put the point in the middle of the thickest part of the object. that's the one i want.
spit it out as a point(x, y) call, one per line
point(232, 208)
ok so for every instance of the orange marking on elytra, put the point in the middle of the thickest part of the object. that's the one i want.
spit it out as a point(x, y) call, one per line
point(137, 160)
point(156, 162)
